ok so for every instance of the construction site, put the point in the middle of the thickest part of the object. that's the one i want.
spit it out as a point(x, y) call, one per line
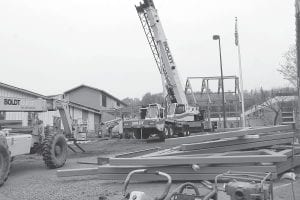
point(206, 138)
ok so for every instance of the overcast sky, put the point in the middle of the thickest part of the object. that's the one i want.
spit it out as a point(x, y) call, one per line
point(52, 46)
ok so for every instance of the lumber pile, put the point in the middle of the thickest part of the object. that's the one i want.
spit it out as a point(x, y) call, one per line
point(202, 157)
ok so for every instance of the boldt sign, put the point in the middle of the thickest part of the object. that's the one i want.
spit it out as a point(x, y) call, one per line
point(10, 101)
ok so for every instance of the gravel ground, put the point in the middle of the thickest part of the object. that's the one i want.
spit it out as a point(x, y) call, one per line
point(30, 180)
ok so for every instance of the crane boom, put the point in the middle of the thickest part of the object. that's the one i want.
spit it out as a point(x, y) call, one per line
point(161, 51)
point(180, 117)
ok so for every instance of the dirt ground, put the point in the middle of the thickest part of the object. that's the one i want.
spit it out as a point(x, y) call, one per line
point(31, 180)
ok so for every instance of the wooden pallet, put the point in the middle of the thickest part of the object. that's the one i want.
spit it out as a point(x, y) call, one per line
point(230, 134)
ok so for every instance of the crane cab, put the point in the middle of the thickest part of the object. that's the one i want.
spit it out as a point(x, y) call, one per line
point(152, 111)
point(183, 112)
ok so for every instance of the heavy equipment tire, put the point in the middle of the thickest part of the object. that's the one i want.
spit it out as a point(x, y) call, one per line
point(4, 160)
point(171, 131)
point(166, 131)
point(54, 150)
point(187, 131)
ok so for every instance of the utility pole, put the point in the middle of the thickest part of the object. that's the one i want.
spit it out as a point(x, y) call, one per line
point(217, 37)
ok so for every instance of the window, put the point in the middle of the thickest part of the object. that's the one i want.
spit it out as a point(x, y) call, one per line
point(103, 100)
point(143, 112)
point(180, 109)
point(152, 112)
point(171, 109)
point(162, 112)
point(2, 115)
point(118, 103)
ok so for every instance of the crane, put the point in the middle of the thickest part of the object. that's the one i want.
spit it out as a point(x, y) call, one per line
point(177, 102)
point(180, 118)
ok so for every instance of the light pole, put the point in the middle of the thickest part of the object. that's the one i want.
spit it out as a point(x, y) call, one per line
point(297, 6)
point(217, 37)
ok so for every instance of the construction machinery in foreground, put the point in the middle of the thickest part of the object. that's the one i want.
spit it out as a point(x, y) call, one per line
point(50, 142)
point(180, 116)
point(237, 186)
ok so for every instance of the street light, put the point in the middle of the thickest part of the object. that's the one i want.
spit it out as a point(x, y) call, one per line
point(217, 37)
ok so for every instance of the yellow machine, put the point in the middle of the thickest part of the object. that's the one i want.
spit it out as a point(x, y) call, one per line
point(51, 143)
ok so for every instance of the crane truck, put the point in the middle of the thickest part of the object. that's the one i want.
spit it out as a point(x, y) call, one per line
point(51, 143)
point(180, 117)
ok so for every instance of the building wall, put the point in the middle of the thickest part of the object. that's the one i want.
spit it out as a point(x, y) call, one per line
point(46, 117)
point(107, 117)
point(111, 103)
point(17, 116)
point(77, 114)
point(5, 92)
point(95, 99)
point(85, 96)
point(91, 121)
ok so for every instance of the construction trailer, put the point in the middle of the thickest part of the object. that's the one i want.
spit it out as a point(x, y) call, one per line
point(51, 142)
point(179, 114)
point(210, 99)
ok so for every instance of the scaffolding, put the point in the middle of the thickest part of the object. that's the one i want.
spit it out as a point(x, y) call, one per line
point(211, 101)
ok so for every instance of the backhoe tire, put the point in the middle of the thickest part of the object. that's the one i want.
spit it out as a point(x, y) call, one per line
point(54, 150)
point(4, 160)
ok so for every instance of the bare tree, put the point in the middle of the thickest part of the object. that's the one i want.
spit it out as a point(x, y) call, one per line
point(132, 101)
point(288, 66)
point(273, 103)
